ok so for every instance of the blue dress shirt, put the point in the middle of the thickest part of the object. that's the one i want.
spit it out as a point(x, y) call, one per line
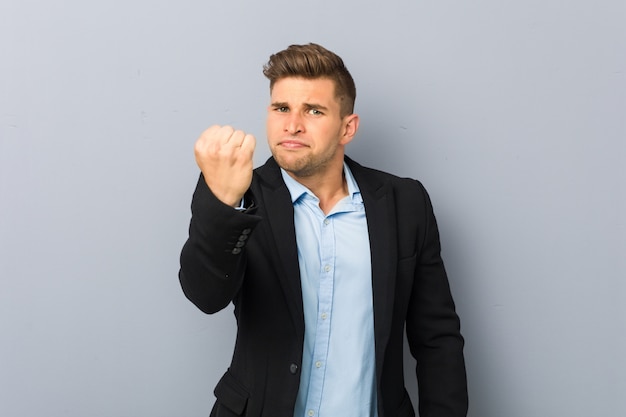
point(338, 360)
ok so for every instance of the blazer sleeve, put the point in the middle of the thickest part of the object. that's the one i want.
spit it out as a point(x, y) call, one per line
point(212, 261)
point(433, 327)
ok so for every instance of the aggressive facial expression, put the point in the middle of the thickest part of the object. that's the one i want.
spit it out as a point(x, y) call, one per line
point(305, 130)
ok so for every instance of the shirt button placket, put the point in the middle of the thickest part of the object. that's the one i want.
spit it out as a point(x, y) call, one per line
point(322, 332)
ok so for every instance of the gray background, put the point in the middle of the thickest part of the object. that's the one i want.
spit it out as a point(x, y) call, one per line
point(512, 113)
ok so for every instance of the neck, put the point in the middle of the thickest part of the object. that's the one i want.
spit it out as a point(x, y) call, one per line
point(330, 188)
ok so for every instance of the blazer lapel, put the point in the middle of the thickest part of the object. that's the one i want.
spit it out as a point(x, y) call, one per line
point(378, 199)
point(279, 214)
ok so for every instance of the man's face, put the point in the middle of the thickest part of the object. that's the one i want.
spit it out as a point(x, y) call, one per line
point(305, 130)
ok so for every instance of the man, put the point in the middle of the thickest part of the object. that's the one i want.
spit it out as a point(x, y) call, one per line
point(325, 261)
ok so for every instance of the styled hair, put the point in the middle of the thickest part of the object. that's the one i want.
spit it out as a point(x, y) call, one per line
point(313, 61)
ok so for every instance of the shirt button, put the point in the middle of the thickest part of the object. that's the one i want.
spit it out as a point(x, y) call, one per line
point(311, 413)
point(327, 268)
point(293, 368)
point(318, 364)
point(324, 316)
point(326, 222)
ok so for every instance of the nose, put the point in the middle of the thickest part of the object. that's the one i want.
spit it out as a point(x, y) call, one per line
point(294, 124)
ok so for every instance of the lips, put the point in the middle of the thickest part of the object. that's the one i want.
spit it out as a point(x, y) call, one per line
point(292, 144)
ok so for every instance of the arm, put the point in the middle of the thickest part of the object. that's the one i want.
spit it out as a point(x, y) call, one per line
point(212, 261)
point(433, 330)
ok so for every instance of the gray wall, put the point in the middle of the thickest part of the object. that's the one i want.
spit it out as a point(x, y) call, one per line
point(511, 113)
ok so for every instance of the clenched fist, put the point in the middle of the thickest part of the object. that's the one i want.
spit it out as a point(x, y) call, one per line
point(224, 156)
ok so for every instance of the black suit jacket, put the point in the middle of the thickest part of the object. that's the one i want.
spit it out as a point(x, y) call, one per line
point(250, 258)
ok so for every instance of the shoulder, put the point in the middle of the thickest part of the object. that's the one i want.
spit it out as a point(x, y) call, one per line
point(377, 179)
point(268, 173)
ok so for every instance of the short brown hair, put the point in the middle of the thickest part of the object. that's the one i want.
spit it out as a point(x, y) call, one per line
point(313, 61)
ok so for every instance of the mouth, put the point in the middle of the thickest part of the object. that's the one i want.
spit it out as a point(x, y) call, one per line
point(292, 144)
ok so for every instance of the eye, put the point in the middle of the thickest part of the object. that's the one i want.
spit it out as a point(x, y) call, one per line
point(315, 112)
point(281, 109)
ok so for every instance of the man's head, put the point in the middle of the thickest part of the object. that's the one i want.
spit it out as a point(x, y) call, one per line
point(313, 61)
point(310, 118)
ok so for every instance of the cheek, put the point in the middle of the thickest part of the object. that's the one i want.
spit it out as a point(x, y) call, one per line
point(270, 125)
point(272, 122)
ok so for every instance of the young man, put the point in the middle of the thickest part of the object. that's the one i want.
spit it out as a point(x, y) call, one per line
point(326, 262)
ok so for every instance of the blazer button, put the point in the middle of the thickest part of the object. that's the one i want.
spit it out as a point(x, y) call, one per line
point(293, 368)
point(236, 251)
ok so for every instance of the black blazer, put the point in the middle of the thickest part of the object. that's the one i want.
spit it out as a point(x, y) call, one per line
point(250, 258)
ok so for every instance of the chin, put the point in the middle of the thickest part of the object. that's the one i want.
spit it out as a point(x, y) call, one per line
point(299, 167)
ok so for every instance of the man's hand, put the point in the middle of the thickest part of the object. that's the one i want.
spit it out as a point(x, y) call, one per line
point(224, 156)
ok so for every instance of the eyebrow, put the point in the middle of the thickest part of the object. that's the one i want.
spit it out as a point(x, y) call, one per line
point(315, 106)
point(279, 104)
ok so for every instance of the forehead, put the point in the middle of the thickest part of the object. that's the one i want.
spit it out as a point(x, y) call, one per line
point(304, 90)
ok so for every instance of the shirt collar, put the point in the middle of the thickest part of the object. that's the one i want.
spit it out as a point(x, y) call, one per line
point(297, 190)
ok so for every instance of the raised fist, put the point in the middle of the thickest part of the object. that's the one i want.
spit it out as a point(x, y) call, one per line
point(224, 156)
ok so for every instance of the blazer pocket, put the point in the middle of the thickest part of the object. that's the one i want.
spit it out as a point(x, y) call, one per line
point(231, 394)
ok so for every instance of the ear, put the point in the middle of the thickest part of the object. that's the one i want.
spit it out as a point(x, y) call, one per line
point(350, 127)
